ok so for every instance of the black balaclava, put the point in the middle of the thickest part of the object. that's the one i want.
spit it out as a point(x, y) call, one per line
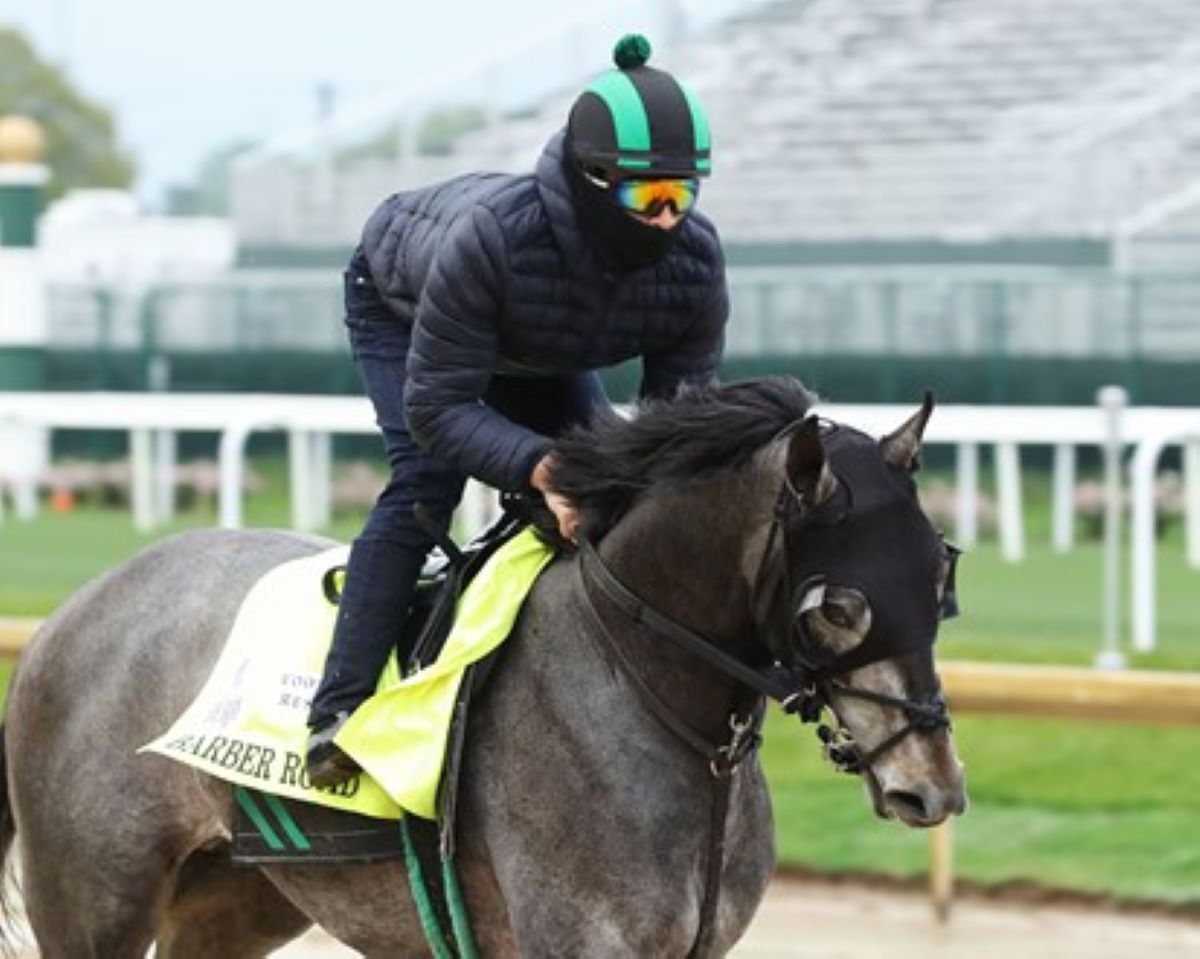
point(634, 121)
point(619, 237)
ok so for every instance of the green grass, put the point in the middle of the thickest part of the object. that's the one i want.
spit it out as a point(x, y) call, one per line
point(42, 562)
point(1047, 608)
point(1092, 807)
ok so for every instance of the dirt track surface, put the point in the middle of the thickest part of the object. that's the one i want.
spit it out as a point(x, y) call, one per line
point(811, 920)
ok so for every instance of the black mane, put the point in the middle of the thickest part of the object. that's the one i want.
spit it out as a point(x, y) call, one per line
point(604, 466)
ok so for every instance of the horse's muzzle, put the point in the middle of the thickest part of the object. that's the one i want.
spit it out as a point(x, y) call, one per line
point(919, 805)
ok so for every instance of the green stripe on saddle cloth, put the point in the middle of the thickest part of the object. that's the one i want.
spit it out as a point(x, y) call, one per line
point(248, 723)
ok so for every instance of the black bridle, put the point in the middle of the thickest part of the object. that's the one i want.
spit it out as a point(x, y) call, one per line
point(792, 680)
point(795, 680)
point(818, 684)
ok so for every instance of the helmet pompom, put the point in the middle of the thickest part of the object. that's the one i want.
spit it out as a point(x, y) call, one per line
point(639, 119)
point(632, 50)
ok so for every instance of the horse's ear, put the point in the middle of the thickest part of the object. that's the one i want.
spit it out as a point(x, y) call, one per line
point(807, 470)
point(903, 448)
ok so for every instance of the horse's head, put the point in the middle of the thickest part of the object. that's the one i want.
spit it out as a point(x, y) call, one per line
point(839, 580)
point(853, 582)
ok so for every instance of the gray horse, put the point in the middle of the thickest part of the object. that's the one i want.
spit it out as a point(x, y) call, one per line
point(792, 547)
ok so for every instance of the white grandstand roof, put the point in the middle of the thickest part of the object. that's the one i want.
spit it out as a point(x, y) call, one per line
point(856, 120)
point(953, 119)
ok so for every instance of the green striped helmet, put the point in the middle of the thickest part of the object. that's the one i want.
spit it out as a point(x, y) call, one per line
point(638, 121)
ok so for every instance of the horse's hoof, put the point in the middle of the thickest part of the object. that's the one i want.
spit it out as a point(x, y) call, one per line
point(326, 762)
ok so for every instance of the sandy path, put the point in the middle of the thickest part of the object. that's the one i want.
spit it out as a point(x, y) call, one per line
point(813, 920)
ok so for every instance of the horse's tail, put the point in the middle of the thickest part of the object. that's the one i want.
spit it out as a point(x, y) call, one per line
point(8, 833)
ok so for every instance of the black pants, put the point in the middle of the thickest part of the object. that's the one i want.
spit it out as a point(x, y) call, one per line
point(388, 554)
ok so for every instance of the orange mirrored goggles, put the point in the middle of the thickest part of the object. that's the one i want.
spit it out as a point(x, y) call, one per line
point(651, 197)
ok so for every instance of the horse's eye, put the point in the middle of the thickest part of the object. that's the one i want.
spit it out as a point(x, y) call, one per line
point(837, 615)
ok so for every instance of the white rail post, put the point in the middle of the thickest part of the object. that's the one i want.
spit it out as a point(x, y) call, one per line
point(163, 445)
point(322, 481)
point(232, 466)
point(967, 498)
point(301, 470)
point(476, 509)
point(1008, 495)
point(165, 456)
point(1191, 500)
point(1064, 497)
point(309, 466)
point(32, 451)
point(1112, 400)
point(141, 479)
point(24, 452)
point(1142, 556)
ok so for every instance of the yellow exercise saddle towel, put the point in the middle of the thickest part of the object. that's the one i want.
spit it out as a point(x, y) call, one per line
point(247, 725)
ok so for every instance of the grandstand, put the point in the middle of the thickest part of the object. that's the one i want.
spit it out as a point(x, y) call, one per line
point(963, 121)
point(1062, 135)
point(953, 120)
point(998, 196)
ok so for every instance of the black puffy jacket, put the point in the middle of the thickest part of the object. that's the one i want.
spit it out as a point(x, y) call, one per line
point(493, 275)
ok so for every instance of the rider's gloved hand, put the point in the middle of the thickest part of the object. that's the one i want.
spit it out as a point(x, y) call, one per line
point(562, 508)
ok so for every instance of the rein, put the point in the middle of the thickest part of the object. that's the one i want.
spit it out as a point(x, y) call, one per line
point(745, 718)
point(778, 683)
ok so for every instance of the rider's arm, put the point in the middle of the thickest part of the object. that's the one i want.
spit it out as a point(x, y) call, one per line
point(454, 353)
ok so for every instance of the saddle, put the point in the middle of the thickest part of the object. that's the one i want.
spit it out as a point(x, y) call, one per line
point(278, 829)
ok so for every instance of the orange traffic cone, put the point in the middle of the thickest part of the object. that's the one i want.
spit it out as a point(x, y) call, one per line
point(62, 501)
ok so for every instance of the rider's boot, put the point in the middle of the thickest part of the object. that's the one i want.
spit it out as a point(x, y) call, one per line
point(380, 579)
point(327, 764)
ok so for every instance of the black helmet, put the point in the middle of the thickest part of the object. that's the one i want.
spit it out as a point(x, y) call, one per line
point(636, 120)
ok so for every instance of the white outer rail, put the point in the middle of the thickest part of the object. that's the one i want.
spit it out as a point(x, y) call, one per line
point(152, 420)
point(1142, 472)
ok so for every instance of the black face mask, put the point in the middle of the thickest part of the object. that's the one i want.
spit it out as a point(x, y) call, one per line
point(616, 235)
point(872, 536)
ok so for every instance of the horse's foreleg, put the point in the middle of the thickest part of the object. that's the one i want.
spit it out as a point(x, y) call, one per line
point(74, 914)
point(99, 865)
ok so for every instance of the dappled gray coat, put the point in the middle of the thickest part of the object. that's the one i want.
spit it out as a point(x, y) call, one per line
point(493, 274)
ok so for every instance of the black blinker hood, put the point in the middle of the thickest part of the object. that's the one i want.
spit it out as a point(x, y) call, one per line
point(872, 536)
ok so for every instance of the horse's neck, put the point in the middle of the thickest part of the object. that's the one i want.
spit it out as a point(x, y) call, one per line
point(682, 553)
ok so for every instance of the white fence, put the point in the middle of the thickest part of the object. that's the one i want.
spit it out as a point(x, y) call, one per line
point(27, 419)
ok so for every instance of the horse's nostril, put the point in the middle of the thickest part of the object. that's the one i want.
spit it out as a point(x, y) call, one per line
point(907, 806)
